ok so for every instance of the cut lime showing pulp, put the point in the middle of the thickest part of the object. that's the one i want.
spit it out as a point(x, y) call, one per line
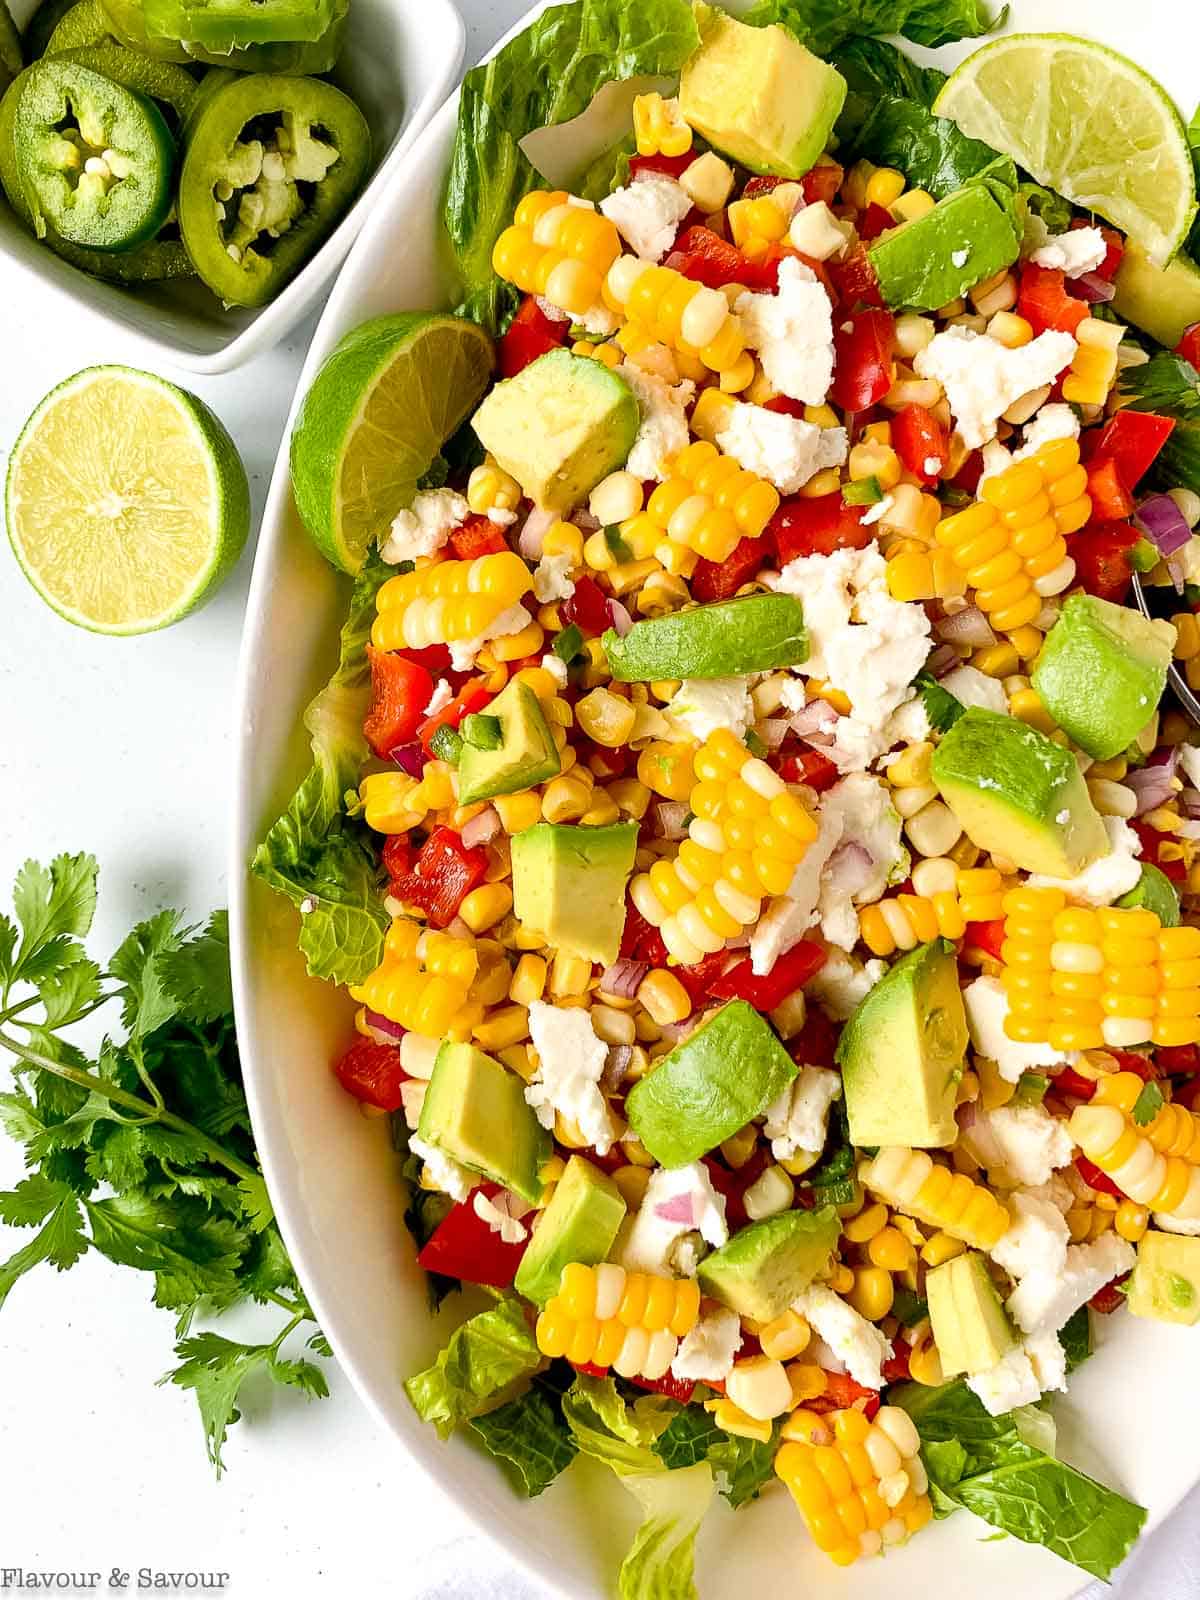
point(378, 412)
point(1085, 121)
point(126, 501)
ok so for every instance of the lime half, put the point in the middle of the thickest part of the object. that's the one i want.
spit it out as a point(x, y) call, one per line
point(1085, 121)
point(378, 412)
point(126, 501)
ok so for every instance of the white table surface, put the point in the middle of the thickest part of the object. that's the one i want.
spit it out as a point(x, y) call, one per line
point(123, 748)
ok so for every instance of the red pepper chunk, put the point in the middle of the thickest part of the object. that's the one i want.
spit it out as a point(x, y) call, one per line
point(1101, 555)
point(1132, 441)
point(464, 1246)
point(1114, 248)
point(1110, 1298)
point(985, 936)
point(1111, 500)
point(1068, 1081)
point(854, 279)
point(1044, 302)
point(1092, 1175)
point(531, 333)
point(478, 536)
point(1189, 346)
point(587, 608)
point(400, 691)
point(732, 1186)
point(702, 255)
point(397, 855)
point(791, 971)
point(817, 527)
point(843, 1391)
point(372, 1073)
point(473, 696)
point(812, 767)
point(816, 1043)
point(668, 166)
point(719, 580)
point(875, 220)
point(864, 350)
point(442, 876)
point(1152, 843)
point(921, 442)
point(1174, 1058)
point(896, 1369)
point(681, 1389)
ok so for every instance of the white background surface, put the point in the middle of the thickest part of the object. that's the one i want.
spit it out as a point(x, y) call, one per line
point(122, 748)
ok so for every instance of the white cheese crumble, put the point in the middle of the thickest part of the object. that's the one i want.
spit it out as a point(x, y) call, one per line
point(702, 705)
point(1022, 1376)
point(799, 1119)
point(1038, 1238)
point(1109, 878)
point(792, 331)
point(464, 651)
point(1189, 759)
point(786, 451)
point(1044, 1302)
point(552, 579)
point(1077, 252)
point(705, 1355)
point(442, 1170)
point(663, 432)
point(851, 1337)
point(816, 232)
point(570, 1061)
point(425, 526)
point(648, 1242)
point(647, 213)
point(843, 983)
point(869, 823)
point(557, 668)
point(987, 1006)
point(1053, 421)
point(441, 696)
point(983, 378)
point(975, 688)
point(1021, 1146)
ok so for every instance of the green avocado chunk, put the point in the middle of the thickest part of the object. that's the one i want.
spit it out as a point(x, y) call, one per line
point(1162, 301)
point(767, 1264)
point(563, 423)
point(1101, 673)
point(569, 884)
point(1155, 891)
point(967, 237)
point(527, 753)
point(1017, 793)
point(723, 640)
point(714, 1082)
point(758, 95)
point(902, 1052)
point(579, 1224)
point(1166, 1280)
point(970, 1327)
point(475, 1112)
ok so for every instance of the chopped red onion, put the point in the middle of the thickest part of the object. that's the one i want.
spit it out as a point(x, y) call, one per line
point(1163, 522)
point(1153, 787)
point(616, 1066)
point(1188, 829)
point(773, 732)
point(585, 521)
point(410, 758)
point(967, 1114)
point(850, 868)
point(666, 819)
point(968, 626)
point(383, 1029)
point(679, 1208)
point(818, 716)
point(534, 529)
point(623, 979)
point(740, 941)
point(1176, 574)
point(1097, 291)
point(1189, 802)
point(673, 1032)
point(482, 828)
point(943, 660)
point(621, 620)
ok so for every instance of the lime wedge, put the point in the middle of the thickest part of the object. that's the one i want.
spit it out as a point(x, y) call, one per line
point(1085, 121)
point(126, 501)
point(378, 412)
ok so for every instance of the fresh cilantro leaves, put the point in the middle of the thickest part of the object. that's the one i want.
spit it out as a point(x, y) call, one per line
point(144, 1154)
point(941, 707)
point(1147, 1105)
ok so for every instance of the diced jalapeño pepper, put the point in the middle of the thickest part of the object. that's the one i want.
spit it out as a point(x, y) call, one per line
point(172, 88)
point(225, 24)
point(270, 165)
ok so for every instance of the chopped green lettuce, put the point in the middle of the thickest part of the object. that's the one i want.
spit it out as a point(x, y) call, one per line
point(930, 151)
point(529, 1435)
point(874, 70)
point(481, 1359)
point(321, 858)
point(1170, 386)
point(1076, 1338)
point(548, 74)
point(742, 1466)
point(823, 25)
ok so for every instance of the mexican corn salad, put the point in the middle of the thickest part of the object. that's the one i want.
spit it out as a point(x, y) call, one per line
point(790, 995)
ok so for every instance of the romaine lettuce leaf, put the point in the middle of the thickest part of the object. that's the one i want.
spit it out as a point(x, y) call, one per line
point(481, 1359)
point(1076, 1338)
point(930, 151)
point(547, 74)
point(323, 860)
point(823, 25)
point(1001, 1468)
point(620, 1435)
point(872, 69)
point(530, 1435)
point(1170, 386)
point(742, 1466)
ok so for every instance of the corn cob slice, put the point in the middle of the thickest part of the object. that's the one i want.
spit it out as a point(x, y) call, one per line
point(448, 603)
point(423, 982)
point(557, 247)
point(658, 126)
point(706, 506)
point(676, 310)
point(629, 1321)
point(1157, 1164)
point(910, 1181)
point(903, 921)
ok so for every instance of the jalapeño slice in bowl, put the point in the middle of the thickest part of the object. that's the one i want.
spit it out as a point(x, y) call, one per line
point(10, 48)
point(171, 88)
point(270, 166)
point(226, 24)
point(302, 57)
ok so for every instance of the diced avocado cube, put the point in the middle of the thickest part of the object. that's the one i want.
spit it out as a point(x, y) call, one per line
point(714, 1082)
point(569, 884)
point(1166, 1280)
point(563, 423)
point(1018, 794)
point(758, 95)
point(902, 1052)
point(1155, 891)
point(723, 640)
point(766, 1265)
point(526, 755)
point(967, 237)
point(970, 1327)
point(475, 1112)
point(1162, 301)
point(1101, 673)
point(579, 1224)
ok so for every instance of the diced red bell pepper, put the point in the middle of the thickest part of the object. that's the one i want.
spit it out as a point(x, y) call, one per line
point(1101, 555)
point(697, 978)
point(763, 183)
point(986, 936)
point(1044, 302)
point(732, 1186)
point(1132, 440)
point(587, 608)
point(530, 334)
point(400, 691)
point(397, 855)
point(473, 696)
point(464, 1246)
point(895, 1369)
point(817, 527)
point(791, 971)
point(1091, 1174)
point(1114, 252)
point(843, 1391)
point(854, 280)
point(719, 580)
point(969, 474)
point(921, 442)
point(1110, 1298)
point(1176, 1058)
point(640, 941)
point(1152, 842)
point(821, 182)
point(434, 658)
point(669, 166)
point(865, 347)
point(1111, 500)
point(702, 255)
point(478, 536)
point(1068, 1081)
point(681, 1389)
point(442, 876)
point(590, 1369)
point(811, 767)
point(874, 221)
point(816, 1043)
point(372, 1073)
point(1187, 1094)
point(1189, 346)
point(1133, 1061)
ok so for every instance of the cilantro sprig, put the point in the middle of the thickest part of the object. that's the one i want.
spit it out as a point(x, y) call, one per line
point(144, 1152)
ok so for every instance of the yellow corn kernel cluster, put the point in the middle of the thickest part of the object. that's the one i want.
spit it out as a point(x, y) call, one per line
point(676, 311)
point(1010, 542)
point(659, 127)
point(1079, 979)
point(490, 488)
point(916, 573)
point(706, 506)
point(1158, 1164)
point(423, 982)
point(557, 247)
point(981, 894)
point(758, 223)
point(904, 921)
point(451, 601)
point(746, 837)
point(864, 1489)
point(629, 1321)
point(1094, 364)
point(909, 1180)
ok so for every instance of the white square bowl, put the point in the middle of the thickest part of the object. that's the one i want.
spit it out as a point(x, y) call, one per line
point(398, 63)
